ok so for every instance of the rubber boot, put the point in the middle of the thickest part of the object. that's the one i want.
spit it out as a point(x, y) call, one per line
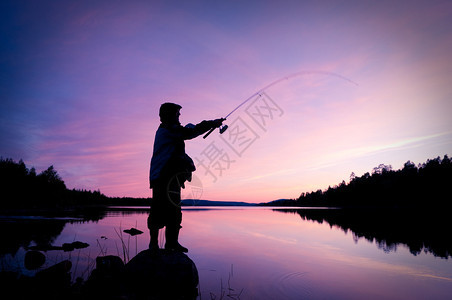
point(154, 243)
point(172, 240)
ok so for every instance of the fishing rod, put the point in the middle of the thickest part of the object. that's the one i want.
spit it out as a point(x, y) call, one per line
point(259, 92)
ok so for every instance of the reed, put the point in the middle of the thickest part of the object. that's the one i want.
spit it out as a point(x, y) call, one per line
point(225, 292)
point(125, 248)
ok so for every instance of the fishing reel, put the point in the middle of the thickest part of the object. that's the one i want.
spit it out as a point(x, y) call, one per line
point(223, 128)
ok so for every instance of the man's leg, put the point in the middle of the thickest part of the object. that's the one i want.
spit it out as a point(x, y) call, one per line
point(172, 239)
point(154, 233)
point(175, 219)
point(154, 243)
point(155, 217)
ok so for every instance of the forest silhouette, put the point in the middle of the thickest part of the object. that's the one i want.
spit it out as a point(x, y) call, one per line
point(427, 184)
point(21, 187)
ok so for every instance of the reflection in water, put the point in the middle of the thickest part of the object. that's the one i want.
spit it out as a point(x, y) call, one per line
point(22, 231)
point(271, 255)
point(420, 231)
point(147, 275)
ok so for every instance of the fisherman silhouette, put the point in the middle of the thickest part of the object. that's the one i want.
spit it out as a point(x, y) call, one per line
point(170, 168)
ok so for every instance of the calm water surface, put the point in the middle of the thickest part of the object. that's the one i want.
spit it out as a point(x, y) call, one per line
point(260, 253)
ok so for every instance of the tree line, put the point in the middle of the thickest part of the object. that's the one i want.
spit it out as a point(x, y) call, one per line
point(21, 187)
point(415, 186)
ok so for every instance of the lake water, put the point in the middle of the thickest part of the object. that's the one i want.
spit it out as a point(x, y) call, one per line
point(261, 253)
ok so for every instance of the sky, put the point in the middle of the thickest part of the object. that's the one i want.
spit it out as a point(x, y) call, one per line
point(328, 88)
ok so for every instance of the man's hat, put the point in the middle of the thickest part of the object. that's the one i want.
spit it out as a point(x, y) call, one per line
point(167, 110)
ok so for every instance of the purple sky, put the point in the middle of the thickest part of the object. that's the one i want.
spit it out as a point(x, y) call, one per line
point(81, 84)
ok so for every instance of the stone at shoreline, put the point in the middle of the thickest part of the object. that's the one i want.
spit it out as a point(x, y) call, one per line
point(74, 245)
point(34, 259)
point(51, 283)
point(133, 231)
point(55, 271)
point(162, 275)
point(149, 275)
point(66, 247)
point(105, 282)
point(108, 266)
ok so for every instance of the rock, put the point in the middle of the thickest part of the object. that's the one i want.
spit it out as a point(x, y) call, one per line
point(44, 248)
point(66, 246)
point(162, 275)
point(74, 245)
point(109, 264)
point(80, 245)
point(105, 282)
point(133, 231)
point(55, 272)
point(149, 275)
point(53, 282)
point(34, 260)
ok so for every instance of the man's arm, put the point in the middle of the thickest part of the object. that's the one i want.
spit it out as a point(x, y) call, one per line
point(191, 131)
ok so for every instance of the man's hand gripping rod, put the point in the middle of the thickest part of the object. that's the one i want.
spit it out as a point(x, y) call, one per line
point(222, 129)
